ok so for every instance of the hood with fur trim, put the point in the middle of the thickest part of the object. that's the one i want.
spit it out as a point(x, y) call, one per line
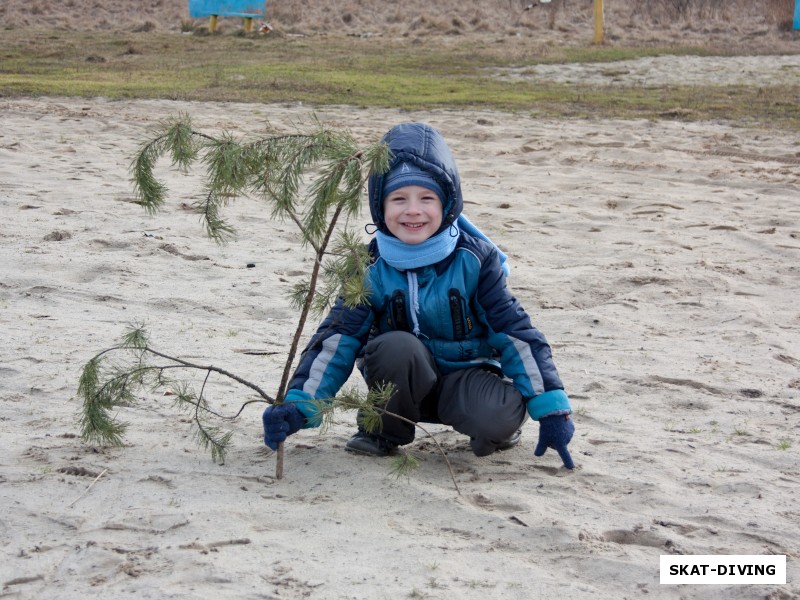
point(423, 146)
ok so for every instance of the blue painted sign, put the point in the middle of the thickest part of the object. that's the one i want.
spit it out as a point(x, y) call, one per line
point(228, 8)
point(797, 14)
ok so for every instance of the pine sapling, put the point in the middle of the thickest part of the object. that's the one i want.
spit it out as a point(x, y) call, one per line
point(314, 180)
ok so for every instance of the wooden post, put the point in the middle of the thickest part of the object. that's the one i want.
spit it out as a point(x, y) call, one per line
point(212, 23)
point(248, 24)
point(598, 21)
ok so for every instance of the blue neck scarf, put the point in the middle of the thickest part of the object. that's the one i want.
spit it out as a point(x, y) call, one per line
point(404, 256)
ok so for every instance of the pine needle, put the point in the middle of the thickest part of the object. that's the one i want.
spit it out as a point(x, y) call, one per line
point(404, 464)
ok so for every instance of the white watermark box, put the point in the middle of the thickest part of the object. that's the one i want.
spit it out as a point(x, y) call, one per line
point(727, 569)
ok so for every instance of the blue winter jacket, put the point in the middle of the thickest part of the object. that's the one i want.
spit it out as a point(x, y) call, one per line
point(467, 315)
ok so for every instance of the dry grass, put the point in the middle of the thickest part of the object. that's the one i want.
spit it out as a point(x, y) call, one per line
point(637, 20)
point(781, 13)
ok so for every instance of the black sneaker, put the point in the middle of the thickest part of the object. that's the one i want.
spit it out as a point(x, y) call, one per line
point(371, 445)
point(511, 441)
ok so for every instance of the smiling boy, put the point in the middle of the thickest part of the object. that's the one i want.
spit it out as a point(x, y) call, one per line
point(413, 213)
point(440, 323)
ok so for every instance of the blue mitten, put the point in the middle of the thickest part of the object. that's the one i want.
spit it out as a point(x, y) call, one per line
point(281, 421)
point(556, 432)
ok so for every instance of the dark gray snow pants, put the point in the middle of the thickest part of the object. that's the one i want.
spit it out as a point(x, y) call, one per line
point(474, 401)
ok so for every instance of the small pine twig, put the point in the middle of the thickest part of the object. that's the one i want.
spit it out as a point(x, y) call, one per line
point(86, 491)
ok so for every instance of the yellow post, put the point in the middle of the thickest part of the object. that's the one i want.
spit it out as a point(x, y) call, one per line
point(212, 24)
point(248, 24)
point(598, 21)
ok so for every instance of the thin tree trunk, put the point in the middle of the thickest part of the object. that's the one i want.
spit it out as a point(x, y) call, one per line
point(312, 287)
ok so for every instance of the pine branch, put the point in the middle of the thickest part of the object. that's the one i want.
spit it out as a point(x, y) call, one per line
point(150, 193)
point(103, 392)
point(209, 437)
point(96, 425)
point(180, 139)
point(275, 168)
point(229, 166)
point(175, 137)
point(216, 228)
point(405, 464)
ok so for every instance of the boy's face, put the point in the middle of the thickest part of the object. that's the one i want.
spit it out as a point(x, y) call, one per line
point(412, 213)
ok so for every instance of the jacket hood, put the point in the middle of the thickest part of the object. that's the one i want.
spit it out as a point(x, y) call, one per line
point(426, 148)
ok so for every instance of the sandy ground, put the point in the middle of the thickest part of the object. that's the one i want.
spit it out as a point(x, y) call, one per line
point(761, 70)
point(660, 259)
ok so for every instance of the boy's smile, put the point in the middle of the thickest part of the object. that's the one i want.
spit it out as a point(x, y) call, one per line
point(412, 213)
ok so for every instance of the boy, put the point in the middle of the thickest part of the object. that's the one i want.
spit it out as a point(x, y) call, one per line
point(440, 323)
